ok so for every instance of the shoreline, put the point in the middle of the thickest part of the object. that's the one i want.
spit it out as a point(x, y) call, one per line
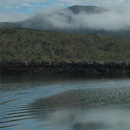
point(88, 69)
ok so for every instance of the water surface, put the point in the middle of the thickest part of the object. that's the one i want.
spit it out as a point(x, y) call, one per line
point(22, 98)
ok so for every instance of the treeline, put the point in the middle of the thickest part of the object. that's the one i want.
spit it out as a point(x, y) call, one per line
point(34, 46)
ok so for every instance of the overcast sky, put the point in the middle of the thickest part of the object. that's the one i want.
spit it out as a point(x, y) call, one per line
point(17, 10)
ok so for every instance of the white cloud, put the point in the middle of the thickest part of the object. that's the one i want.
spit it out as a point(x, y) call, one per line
point(116, 19)
point(27, 4)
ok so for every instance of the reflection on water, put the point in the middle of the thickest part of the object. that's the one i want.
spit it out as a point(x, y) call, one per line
point(64, 103)
point(84, 118)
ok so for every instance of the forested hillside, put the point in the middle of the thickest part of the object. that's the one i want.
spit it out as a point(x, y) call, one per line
point(34, 46)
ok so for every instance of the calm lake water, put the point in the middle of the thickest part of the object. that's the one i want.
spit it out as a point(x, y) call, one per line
point(22, 104)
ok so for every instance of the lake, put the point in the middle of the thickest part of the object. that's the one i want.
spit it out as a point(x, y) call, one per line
point(64, 103)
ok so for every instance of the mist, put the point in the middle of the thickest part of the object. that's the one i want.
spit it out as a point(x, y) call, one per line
point(114, 18)
point(110, 19)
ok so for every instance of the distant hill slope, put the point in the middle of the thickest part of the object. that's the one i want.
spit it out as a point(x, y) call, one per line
point(27, 46)
point(65, 20)
point(76, 9)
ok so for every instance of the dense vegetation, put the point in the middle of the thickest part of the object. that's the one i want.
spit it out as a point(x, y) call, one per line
point(27, 46)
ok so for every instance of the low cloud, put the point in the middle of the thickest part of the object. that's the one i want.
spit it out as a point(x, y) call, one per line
point(114, 19)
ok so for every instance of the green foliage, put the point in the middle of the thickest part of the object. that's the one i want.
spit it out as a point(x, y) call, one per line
point(27, 46)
